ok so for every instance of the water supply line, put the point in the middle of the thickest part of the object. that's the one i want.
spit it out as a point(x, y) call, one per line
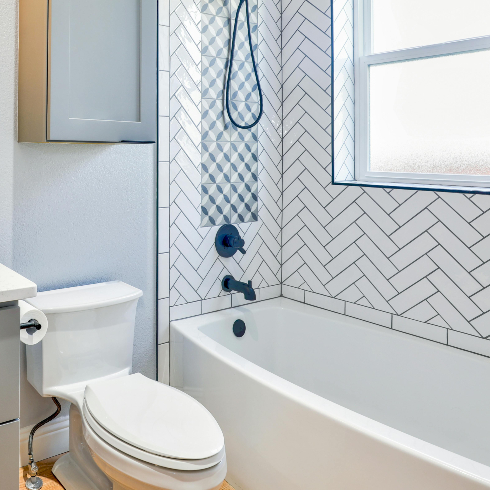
point(34, 482)
point(233, 39)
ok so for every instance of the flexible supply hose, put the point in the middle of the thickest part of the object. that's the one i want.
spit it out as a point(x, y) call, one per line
point(253, 64)
point(34, 482)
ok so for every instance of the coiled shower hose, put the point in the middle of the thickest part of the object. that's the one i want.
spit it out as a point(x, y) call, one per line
point(233, 39)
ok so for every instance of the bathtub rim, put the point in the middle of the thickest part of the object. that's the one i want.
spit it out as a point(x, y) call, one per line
point(443, 458)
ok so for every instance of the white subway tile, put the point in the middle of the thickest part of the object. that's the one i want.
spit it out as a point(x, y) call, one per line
point(293, 293)
point(163, 230)
point(215, 304)
point(163, 320)
point(420, 329)
point(368, 314)
point(184, 311)
point(164, 363)
point(163, 274)
point(469, 343)
point(324, 302)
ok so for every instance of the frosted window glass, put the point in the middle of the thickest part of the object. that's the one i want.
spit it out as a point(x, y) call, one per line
point(431, 115)
point(400, 24)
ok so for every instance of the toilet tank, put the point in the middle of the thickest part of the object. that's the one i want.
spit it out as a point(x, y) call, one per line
point(90, 336)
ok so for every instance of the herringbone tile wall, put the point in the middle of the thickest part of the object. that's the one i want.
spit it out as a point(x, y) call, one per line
point(196, 269)
point(418, 262)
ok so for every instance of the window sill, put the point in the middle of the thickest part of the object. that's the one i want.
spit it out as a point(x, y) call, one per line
point(416, 187)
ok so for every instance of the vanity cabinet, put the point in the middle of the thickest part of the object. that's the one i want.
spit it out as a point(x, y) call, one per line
point(87, 71)
point(9, 396)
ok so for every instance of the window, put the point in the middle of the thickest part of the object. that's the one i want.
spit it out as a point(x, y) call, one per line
point(422, 94)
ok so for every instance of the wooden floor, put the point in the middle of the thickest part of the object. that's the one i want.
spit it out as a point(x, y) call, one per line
point(50, 481)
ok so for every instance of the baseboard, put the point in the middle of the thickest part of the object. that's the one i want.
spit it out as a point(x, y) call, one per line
point(50, 440)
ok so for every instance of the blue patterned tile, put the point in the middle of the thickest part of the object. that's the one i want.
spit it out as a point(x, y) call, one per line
point(216, 7)
point(253, 10)
point(214, 71)
point(244, 166)
point(215, 167)
point(215, 204)
point(243, 85)
point(215, 36)
point(242, 46)
point(214, 126)
point(244, 202)
point(244, 113)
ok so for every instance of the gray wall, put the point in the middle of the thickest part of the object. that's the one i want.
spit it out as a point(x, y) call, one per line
point(74, 214)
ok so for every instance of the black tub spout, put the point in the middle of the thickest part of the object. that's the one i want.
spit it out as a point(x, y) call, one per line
point(229, 284)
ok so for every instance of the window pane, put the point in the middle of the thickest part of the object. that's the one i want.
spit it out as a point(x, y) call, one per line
point(400, 24)
point(431, 115)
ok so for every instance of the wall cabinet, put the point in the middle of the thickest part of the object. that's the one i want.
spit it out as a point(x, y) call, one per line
point(87, 70)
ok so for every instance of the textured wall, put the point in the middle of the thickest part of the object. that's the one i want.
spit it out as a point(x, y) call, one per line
point(414, 261)
point(195, 268)
point(74, 214)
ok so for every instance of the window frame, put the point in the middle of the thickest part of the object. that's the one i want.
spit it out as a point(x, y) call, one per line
point(363, 59)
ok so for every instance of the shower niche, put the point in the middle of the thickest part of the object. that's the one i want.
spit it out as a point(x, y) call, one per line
point(87, 71)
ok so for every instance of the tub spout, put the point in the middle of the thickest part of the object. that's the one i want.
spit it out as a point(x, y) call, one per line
point(229, 284)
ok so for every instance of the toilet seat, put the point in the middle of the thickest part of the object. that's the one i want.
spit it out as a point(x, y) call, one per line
point(153, 422)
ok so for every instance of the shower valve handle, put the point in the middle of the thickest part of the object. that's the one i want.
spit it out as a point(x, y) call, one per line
point(228, 241)
point(234, 242)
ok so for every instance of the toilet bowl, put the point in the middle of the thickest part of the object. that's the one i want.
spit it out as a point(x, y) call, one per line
point(126, 431)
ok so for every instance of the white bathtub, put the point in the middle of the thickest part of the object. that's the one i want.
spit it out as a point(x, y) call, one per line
point(309, 399)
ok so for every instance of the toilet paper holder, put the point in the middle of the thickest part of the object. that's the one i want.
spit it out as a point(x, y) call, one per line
point(30, 324)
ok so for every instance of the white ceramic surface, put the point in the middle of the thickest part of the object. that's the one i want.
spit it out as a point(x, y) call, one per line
point(154, 417)
point(14, 287)
point(83, 343)
point(88, 297)
point(313, 399)
point(90, 339)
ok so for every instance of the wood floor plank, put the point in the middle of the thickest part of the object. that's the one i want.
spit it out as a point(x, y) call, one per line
point(50, 481)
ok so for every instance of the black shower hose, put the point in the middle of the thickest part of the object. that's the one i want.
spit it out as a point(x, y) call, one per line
point(233, 39)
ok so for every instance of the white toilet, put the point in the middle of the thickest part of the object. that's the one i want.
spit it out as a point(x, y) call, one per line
point(127, 432)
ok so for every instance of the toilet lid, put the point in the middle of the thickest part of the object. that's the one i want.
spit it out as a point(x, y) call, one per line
point(154, 417)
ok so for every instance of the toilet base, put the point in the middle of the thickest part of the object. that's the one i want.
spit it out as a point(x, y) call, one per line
point(69, 474)
point(92, 464)
point(77, 469)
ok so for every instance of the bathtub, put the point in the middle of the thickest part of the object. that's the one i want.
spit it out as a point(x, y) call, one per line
point(308, 399)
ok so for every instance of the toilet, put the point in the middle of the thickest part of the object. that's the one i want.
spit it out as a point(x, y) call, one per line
point(127, 432)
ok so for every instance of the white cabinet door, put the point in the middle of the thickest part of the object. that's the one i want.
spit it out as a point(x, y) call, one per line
point(9, 364)
point(102, 70)
point(9, 452)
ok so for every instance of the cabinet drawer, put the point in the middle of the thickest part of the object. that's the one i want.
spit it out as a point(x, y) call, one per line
point(9, 363)
point(9, 451)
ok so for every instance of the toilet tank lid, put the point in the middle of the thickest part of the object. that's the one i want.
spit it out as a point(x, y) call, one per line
point(85, 297)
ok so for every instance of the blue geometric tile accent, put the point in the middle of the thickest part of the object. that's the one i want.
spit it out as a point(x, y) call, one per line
point(215, 36)
point(214, 125)
point(215, 204)
point(244, 202)
point(242, 47)
point(243, 85)
point(214, 71)
point(228, 154)
point(244, 162)
point(254, 11)
point(216, 7)
point(215, 162)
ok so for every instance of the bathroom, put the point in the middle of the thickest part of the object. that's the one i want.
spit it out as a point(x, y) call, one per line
point(334, 334)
